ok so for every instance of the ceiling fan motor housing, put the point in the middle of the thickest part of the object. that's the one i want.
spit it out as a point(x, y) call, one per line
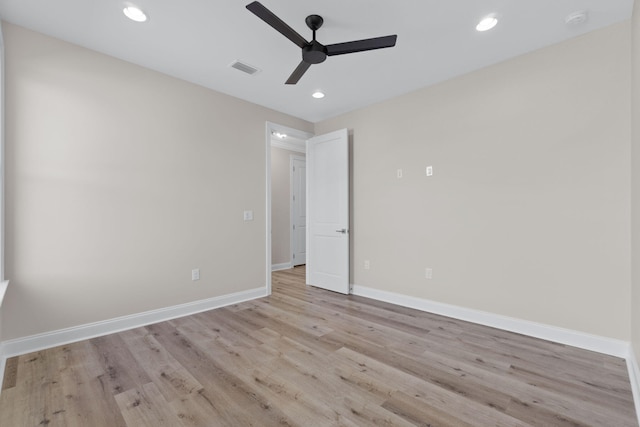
point(314, 53)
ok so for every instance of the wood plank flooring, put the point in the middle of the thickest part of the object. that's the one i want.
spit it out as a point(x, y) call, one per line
point(308, 357)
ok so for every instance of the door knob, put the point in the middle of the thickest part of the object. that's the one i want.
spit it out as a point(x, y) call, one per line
point(343, 231)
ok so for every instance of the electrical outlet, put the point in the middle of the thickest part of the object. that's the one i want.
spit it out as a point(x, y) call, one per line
point(195, 274)
point(399, 173)
point(428, 273)
point(248, 215)
point(429, 170)
point(367, 264)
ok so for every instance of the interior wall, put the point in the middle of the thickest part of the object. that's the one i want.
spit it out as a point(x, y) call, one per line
point(527, 214)
point(119, 181)
point(635, 182)
point(280, 205)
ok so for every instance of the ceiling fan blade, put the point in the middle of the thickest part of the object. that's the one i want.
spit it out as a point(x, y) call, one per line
point(297, 73)
point(278, 24)
point(361, 45)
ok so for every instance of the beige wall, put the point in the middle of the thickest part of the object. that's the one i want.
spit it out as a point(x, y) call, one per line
point(635, 182)
point(280, 206)
point(117, 186)
point(119, 181)
point(527, 214)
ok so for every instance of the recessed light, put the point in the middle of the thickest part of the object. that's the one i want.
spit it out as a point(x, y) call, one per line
point(134, 13)
point(487, 23)
point(317, 94)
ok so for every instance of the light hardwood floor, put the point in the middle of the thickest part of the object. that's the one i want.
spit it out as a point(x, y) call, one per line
point(308, 357)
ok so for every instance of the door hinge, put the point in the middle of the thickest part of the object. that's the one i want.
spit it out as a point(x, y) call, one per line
point(294, 197)
point(294, 226)
point(294, 256)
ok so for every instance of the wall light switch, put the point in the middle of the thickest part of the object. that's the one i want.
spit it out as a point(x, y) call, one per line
point(429, 170)
point(399, 173)
point(248, 215)
point(195, 274)
point(367, 264)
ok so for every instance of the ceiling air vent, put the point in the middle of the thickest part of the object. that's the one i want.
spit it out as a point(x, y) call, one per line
point(245, 68)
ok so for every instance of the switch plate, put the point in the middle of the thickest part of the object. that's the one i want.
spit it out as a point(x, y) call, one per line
point(428, 273)
point(399, 173)
point(367, 264)
point(429, 170)
point(248, 215)
point(195, 274)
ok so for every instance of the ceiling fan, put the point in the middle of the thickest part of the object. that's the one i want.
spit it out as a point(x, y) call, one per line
point(314, 52)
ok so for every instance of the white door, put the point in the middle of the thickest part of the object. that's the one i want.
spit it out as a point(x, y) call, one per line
point(328, 211)
point(299, 210)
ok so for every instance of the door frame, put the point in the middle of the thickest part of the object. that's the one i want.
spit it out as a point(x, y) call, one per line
point(271, 127)
point(292, 158)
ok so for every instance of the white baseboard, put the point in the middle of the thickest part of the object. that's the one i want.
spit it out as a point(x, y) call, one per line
point(3, 360)
point(610, 346)
point(634, 377)
point(283, 266)
point(578, 339)
point(45, 340)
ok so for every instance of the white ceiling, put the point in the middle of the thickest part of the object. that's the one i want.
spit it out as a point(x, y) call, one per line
point(197, 40)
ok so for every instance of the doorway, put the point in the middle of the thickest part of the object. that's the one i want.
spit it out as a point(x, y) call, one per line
point(292, 144)
point(327, 206)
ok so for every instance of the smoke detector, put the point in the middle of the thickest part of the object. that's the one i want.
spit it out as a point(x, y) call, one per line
point(577, 18)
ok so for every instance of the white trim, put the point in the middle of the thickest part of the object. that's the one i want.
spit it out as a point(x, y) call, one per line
point(291, 210)
point(297, 134)
point(292, 213)
point(267, 280)
point(291, 145)
point(283, 266)
point(45, 340)
point(573, 338)
point(604, 345)
point(634, 378)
